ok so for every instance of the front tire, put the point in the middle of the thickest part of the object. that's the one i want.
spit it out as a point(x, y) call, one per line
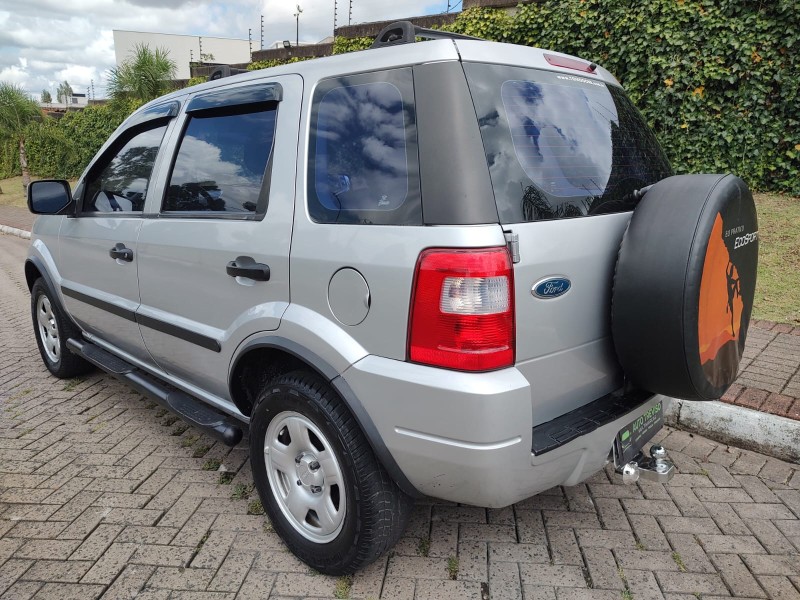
point(326, 494)
point(52, 329)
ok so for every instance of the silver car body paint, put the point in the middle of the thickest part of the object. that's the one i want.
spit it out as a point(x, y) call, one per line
point(464, 437)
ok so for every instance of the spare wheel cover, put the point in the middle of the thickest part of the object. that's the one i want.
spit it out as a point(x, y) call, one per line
point(684, 286)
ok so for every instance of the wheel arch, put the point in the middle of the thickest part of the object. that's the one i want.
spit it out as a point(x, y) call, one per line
point(34, 269)
point(272, 355)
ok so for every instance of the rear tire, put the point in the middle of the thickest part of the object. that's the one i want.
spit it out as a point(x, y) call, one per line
point(52, 329)
point(328, 497)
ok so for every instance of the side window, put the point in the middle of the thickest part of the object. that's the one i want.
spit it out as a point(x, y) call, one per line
point(363, 162)
point(221, 161)
point(119, 185)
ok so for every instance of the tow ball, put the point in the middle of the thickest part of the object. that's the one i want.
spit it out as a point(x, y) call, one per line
point(656, 467)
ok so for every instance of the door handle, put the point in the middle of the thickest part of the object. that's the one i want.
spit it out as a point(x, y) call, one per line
point(246, 266)
point(120, 252)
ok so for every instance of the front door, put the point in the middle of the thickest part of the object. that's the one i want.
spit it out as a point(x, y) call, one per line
point(99, 244)
point(214, 265)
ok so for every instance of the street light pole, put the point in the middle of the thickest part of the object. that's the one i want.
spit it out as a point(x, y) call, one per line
point(297, 20)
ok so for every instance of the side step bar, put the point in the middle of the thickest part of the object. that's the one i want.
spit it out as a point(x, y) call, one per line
point(195, 412)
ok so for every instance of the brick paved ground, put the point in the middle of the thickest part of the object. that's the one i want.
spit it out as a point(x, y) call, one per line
point(14, 216)
point(103, 494)
point(769, 376)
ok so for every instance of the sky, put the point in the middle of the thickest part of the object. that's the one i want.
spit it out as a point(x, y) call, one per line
point(44, 42)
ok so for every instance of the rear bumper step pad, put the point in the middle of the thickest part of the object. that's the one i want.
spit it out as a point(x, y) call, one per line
point(195, 412)
point(585, 419)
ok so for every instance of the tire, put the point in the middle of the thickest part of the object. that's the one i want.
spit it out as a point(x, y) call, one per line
point(684, 286)
point(311, 432)
point(52, 328)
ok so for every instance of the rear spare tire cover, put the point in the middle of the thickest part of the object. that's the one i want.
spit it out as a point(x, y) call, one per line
point(684, 286)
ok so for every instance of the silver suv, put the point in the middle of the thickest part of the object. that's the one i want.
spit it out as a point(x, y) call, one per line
point(401, 270)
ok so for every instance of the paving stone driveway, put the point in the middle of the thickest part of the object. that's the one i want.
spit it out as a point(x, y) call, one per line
point(103, 494)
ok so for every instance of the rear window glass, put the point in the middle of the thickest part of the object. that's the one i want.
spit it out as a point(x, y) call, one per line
point(363, 155)
point(561, 146)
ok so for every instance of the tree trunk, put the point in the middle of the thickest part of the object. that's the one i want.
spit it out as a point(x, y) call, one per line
point(23, 163)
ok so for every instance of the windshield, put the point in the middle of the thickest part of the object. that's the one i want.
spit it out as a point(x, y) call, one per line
point(561, 146)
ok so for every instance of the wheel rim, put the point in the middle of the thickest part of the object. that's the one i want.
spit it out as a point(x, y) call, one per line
point(305, 477)
point(48, 328)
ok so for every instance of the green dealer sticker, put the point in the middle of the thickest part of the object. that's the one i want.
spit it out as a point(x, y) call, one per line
point(641, 430)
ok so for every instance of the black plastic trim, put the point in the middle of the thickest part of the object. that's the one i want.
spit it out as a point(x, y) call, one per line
point(345, 392)
point(167, 110)
point(238, 96)
point(405, 32)
point(39, 265)
point(585, 419)
point(186, 335)
point(456, 187)
point(126, 314)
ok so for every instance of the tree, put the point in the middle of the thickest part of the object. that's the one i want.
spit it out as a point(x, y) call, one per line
point(64, 92)
point(144, 76)
point(17, 110)
point(46, 97)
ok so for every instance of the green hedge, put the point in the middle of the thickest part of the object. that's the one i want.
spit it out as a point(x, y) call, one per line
point(719, 81)
point(61, 148)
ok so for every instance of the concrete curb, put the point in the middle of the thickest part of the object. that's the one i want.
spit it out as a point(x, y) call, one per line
point(14, 231)
point(738, 426)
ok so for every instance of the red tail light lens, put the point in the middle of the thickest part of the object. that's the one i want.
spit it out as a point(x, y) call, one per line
point(462, 309)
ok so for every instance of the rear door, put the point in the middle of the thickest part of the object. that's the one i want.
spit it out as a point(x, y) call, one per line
point(214, 264)
point(564, 154)
point(98, 246)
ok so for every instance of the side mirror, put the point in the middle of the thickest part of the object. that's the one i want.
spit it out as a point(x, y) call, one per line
point(49, 196)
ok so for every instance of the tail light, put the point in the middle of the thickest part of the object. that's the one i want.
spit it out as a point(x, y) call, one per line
point(462, 309)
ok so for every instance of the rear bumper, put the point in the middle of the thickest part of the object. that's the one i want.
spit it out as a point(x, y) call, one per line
point(467, 437)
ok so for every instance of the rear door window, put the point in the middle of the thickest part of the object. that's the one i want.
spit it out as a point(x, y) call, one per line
point(363, 163)
point(561, 146)
point(221, 162)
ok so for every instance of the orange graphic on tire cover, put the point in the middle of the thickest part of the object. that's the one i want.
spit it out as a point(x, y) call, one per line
point(720, 312)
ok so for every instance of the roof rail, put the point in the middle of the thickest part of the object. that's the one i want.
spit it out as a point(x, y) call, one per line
point(405, 32)
point(224, 71)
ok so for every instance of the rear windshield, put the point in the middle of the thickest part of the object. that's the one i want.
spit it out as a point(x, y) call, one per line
point(561, 146)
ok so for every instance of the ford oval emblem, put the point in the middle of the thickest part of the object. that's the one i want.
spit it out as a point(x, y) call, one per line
point(552, 287)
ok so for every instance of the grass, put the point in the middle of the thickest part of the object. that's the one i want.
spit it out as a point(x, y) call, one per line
point(200, 451)
point(72, 384)
point(189, 440)
point(424, 546)
point(343, 585)
point(255, 508)
point(212, 464)
point(452, 567)
point(226, 477)
point(778, 287)
point(679, 561)
point(14, 195)
point(241, 491)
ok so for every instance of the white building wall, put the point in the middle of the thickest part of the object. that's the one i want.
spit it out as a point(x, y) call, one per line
point(182, 48)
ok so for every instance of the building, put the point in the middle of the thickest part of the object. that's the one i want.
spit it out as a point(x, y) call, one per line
point(183, 49)
point(75, 101)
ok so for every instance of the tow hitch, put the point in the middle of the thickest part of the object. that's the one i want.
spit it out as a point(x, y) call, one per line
point(656, 467)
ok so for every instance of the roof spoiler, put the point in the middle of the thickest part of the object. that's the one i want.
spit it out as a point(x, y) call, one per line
point(405, 32)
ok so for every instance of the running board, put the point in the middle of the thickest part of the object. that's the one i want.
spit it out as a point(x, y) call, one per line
point(195, 412)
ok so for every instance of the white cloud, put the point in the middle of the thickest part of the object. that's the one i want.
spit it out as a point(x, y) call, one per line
point(43, 42)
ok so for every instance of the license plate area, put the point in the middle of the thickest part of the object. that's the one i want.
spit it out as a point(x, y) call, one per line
point(631, 439)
